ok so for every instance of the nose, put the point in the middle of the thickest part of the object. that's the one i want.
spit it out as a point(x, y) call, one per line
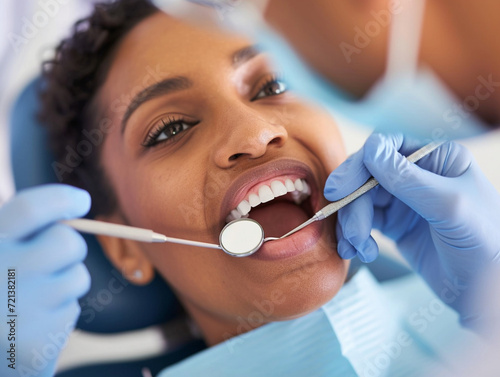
point(247, 134)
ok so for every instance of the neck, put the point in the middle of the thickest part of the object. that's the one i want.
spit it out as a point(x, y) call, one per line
point(215, 330)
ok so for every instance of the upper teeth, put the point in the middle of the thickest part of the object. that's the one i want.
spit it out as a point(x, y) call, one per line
point(299, 189)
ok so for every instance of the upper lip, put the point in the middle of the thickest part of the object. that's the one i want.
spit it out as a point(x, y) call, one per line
point(241, 186)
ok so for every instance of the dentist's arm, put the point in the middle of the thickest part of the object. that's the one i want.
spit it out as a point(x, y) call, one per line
point(443, 214)
point(41, 275)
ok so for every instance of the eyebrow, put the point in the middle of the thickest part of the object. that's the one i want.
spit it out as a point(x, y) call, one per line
point(244, 54)
point(158, 89)
point(175, 84)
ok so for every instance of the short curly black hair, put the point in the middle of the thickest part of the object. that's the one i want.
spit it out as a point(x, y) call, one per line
point(69, 86)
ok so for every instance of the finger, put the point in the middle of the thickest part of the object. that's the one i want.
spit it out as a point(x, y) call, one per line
point(421, 190)
point(381, 197)
point(69, 284)
point(351, 174)
point(49, 327)
point(356, 223)
point(34, 208)
point(368, 251)
point(344, 248)
point(382, 202)
point(356, 220)
point(65, 318)
point(54, 249)
point(449, 160)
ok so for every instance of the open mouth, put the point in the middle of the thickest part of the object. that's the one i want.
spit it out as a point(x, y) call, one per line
point(279, 205)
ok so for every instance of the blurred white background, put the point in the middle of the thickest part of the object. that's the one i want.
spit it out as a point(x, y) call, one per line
point(29, 32)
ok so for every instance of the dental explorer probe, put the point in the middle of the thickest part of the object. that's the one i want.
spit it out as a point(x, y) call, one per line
point(333, 207)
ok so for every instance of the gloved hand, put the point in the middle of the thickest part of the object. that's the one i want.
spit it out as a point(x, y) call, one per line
point(49, 276)
point(443, 214)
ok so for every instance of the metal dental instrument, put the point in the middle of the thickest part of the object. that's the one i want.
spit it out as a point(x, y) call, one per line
point(129, 232)
point(239, 238)
point(333, 207)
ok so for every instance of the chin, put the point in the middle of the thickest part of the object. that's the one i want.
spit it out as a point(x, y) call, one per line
point(309, 287)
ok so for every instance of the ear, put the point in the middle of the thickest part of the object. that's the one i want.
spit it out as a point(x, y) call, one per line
point(126, 255)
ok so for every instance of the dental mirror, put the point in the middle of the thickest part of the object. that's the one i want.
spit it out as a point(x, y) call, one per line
point(241, 237)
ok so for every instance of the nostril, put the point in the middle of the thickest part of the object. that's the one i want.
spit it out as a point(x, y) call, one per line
point(276, 140)
point(235, 156)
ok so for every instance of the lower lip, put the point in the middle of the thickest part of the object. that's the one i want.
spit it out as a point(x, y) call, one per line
point(296, 244)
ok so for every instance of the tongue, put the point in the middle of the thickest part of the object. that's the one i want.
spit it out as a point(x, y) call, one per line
point(278, 218)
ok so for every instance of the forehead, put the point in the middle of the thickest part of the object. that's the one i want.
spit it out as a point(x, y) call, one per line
point(161, 46)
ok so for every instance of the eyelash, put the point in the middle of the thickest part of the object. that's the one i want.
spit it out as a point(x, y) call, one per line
point(275, 79)
point(164, 126)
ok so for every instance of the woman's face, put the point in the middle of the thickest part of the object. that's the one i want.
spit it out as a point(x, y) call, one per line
point(202, 123)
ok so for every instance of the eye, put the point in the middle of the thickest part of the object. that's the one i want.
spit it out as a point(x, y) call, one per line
point(167, 131)
point(272, 87)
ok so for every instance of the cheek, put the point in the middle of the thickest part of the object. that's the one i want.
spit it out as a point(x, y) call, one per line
point(190, 271)
point(143, 194)
point(318, 132)
point(208, 280)
point(166, 198)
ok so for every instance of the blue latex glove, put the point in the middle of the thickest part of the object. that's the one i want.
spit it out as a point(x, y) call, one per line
point(49, 277)
point(443, 214)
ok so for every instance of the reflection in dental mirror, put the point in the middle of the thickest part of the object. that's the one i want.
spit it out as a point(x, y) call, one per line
point(241, 237)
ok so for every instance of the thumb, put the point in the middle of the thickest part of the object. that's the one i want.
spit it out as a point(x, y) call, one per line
point(346, 178)
point(423, 191)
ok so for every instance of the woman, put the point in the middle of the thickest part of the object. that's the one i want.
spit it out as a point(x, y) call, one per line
point(214, 126)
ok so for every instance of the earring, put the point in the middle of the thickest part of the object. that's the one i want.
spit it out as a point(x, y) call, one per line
point(138, 274)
